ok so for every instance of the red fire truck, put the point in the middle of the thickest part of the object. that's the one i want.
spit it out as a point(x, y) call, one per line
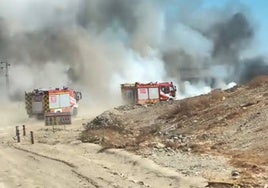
point(148, 93)
point(54, 105)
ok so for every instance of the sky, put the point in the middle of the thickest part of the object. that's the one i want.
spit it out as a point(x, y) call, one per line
point(258, 10)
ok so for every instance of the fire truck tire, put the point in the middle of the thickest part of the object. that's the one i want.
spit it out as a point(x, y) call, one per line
point(170, 100)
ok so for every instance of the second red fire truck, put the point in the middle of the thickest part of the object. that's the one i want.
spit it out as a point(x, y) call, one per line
point(148, 93)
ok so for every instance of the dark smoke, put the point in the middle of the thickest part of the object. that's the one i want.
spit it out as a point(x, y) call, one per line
point(251, 68)
point(46, 45)
point(179, 60)
point(231, 37)
point(102, 14)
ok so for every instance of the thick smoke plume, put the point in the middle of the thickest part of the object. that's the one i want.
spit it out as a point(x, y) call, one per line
point(251, 68)
point(230, 37)
point(95, 45)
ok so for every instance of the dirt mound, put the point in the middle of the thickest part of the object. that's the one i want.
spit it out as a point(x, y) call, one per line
point(231, 123)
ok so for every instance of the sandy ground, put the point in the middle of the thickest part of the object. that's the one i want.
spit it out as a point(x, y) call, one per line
point(58, 159)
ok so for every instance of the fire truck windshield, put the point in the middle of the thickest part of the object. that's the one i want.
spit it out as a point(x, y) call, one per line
point(165, 89)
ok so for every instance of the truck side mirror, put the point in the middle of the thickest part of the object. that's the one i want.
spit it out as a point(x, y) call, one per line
point(78, 95)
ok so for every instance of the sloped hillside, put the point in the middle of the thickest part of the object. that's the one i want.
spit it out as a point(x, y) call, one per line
point(232, 124)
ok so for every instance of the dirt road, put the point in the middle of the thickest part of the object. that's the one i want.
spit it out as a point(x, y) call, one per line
point(58, 159)
point(22, 169)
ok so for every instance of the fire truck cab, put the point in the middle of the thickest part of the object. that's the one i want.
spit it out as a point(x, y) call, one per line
point(148, 93)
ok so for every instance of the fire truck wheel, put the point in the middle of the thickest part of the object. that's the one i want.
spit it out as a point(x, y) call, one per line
point(170, 100)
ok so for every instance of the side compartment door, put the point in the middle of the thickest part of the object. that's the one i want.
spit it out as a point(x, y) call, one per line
point(37, 104)
point(54, 101)
point(153, 93)
point(142, 93)
point(64, 100)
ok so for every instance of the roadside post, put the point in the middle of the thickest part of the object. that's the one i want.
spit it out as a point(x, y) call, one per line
point(18, 133)
point(32, 137)
point(24, 130)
